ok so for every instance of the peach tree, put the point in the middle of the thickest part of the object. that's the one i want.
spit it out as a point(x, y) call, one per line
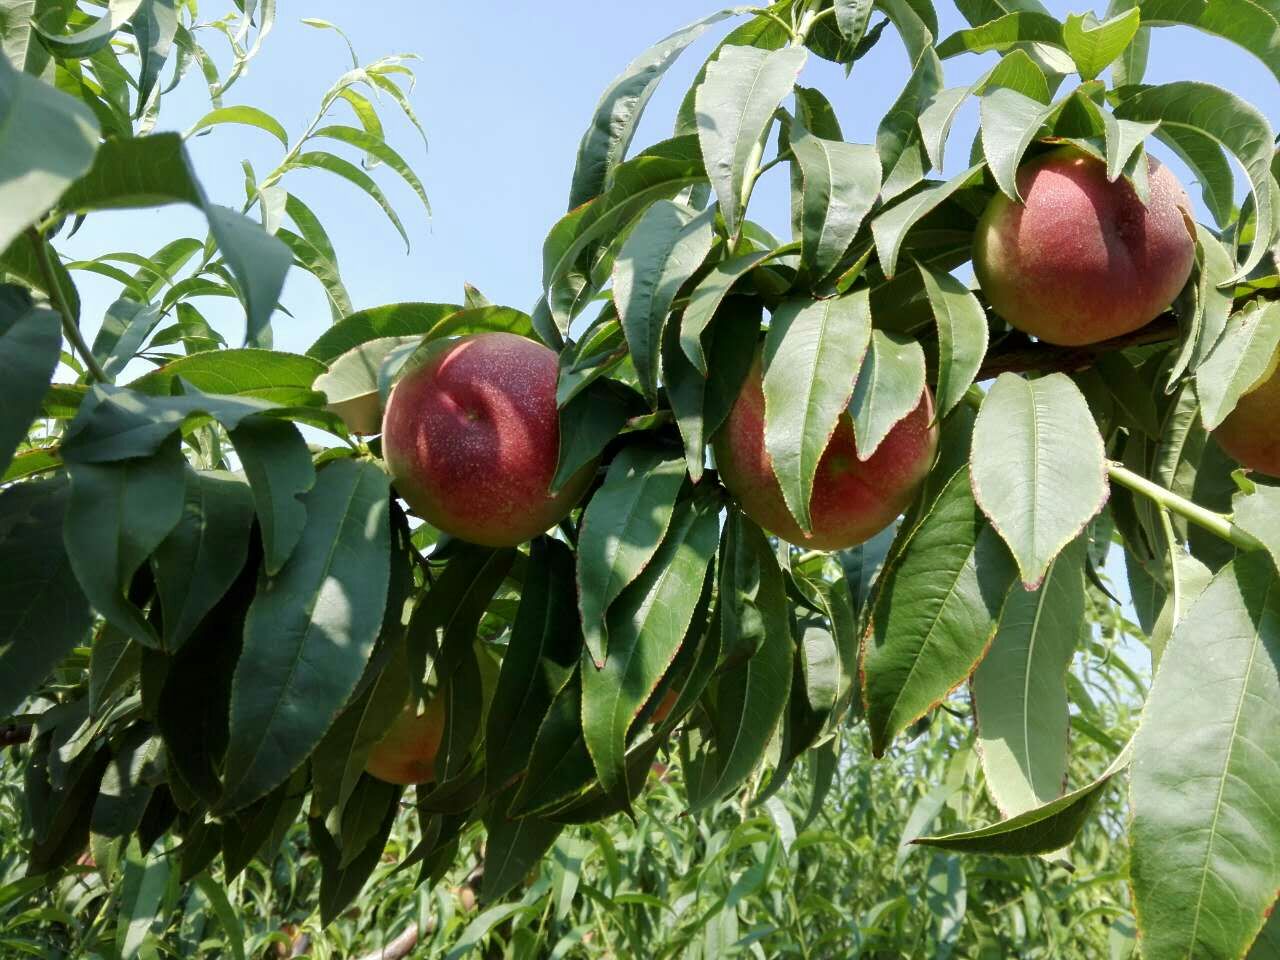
point(718, 497)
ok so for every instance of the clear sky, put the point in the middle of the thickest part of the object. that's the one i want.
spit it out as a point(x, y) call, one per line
point(505, 89)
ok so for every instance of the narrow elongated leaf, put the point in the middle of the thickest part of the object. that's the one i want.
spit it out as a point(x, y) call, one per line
point(1019, 26)
point(90, 39)
point(154, 27)
point(30, 344)
point(340, 885)
point(202, 556)
point(890, 383)
point(118, 514)
point(146, 880)
point(659, 172)
point(378, 148)
point(1241, 358)
point(271, 375)
point(512, 849)
point(589, 421)
point(962, 335)
point(391, 320)
point(622, 527)
point(1039, 468)
point(810, 351)
point(1228, 121)
point(125, 327)
point(935, 613)
point(1206, 772)
point(1095, 46)
point(48, 140)
point(667, 244)
point(309, 631)
point(1258, 513)
point(45, 613)
point(841, 181)
point(1252, 26)
point(248, 116)
point(618, 113)
point(898, 136)
point(155, 170)
point(1010, 121)
point(1020, 688)
point(852, 17)
point(544, 648)
point(891, 226)
point(735, 105)
point(751, 695)
point(278, 465)
point(1044, 829)
point(705, 300)
point(647, 624)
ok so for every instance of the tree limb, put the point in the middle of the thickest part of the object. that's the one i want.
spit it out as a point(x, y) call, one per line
point(1023, 355)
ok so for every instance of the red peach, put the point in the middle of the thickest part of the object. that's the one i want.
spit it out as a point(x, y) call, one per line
point(472, 435)
point(1082, 260)
point(407, 751)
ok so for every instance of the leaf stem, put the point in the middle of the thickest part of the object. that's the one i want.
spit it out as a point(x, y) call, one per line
point(56, 296)
point(1216, 523)
point(769, 14)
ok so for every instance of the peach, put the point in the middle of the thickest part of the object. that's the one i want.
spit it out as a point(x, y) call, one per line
point(1082, 260)
point(1249, 434)
point(853, 499)
point(406, 753)
point(471, 437)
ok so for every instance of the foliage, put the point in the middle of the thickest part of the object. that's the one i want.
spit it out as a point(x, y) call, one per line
point(214, 604)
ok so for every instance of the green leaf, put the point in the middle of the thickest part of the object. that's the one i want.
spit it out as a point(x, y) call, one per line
point(962, 335)
point(512, 849)
point(1010, 121)
point(841, 182)
point(84, 43)
point(155, 170)
point(143, 892)
point(852, 17)
point(811, 348)
point(659, 172)
point(278, 465)
point(1020, 687)
point(735, 104)
point(154, 27)
point(935, 613)
point(891, 226)
point(647, 624)
point(30, 344)
point(391, 320)
point(48, 141)
point(889, 386)
point(341, 884)
point(1095, 46)
point(479, 928)
point(1228, 121)
point(665, 247)
point(1042, 830)
point(751, 694)
point(898, 136)
point(1002, 33)
point(124, 329)
point(1268, 942)
point(118, 514)
point(1206, 772)
point(1039, 467)
point(1258, 513)
point(1241, 358)
point(128, 783)
point(622, 527)
point(202, 556)
point(1252, 26)
point(352, 383)
point(915, 22)
point(589, 421)
point(309, 631)
point(272, 375)
point(44, 612)
point(228, 918)
point(541, 655)
point(705, 301)
point(376, 147)
point(245, 115)
point(618, 113)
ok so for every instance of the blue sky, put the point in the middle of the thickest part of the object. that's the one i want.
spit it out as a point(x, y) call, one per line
point(505, 89)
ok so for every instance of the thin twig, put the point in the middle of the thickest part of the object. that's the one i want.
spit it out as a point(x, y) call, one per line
point(69, 326)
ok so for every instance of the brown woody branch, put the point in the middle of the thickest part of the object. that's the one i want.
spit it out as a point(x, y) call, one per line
point(401, 946)
point(1024, 355)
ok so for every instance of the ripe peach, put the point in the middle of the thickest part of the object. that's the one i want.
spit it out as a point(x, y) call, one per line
point(852, 499)
point(472, 435)
point(407, 751)
point(1249, 434)
point(1082, 260)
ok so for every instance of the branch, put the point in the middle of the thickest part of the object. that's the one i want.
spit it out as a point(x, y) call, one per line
point(1023, 355)
point(401, 946)
point(56, 296)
